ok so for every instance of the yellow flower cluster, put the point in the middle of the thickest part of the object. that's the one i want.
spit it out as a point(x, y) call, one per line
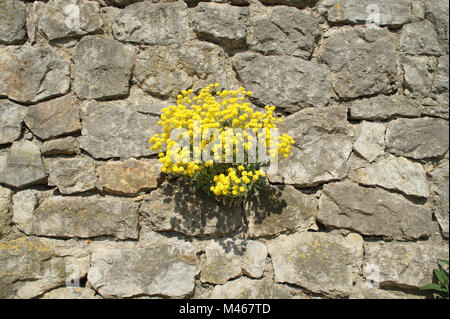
point(203, 122)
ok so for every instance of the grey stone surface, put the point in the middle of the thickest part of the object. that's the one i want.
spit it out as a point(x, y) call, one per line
point(419, 38)
point(22, 165)
point(11, 119)
point(60, 19)
point(152, 23)
point(405, 265)
point(363, 61)
point(116, 129)
point(417, 138)
point(222, 24)
point(418, 78)
point(440, 196)
point(85, 217)
point(373, 211)
point(319, 262)
point(254, 259)
point(161, 270)
point(54, 118)
point(23, 205)
point(176, 207)
point(129, 177)
point(13, 17)
point(280, 209)
point(396, 173)
point(384, 107)
point(30, 74)
point(102, 68)
point(63, 146)
point(322, 147)
point(5, 204)
point(370, 141)
point(437, 12)
point(246, 288)
point(72, 175)
point(287, 82)
point(71, 293)
point(285, 31)
point(164, 71)
point(390, 13)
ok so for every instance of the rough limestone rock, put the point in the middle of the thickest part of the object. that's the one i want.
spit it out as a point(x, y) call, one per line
point(71, 293)
point(418, 138)
point(418, 79)
point(72, 175)
point(390, 13)
point(322, 147)
point(222, 24)
point(287, 82)
point(285, 31)
point(246, 288)
point(440, 196)
point(152, 23)
point(145, 103)
point(254, 259)
point(13, 17)
point(63, 146)
point(5, 204)
point(54, 118)
point(319, 262)
point(373, 211)
point(116, 129)
point(419, 38)
point(164, 71)
point(129, 177)
point(405, 265)
point(363, 61)
point(22, 165)
point(223, 261)
point(280, 209)
point(32, 266)
point(102, 68)
point(437, 105)
point(370, 292)
point(24, 203)
point(384, 107)
point(164, 269)
point(176, 207)
point(370, 142)
point(396, 173)
point(30, 74)
point(60, 19)
point(294, 3)
point(85, 217)
point(11, 118)
point(437, 12)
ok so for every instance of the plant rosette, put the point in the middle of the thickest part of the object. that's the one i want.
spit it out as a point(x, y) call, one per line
point(220, 143)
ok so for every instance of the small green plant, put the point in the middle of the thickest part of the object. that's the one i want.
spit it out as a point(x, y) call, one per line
point(440, 289)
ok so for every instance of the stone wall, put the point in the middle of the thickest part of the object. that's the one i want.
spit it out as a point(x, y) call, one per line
point(364, 196)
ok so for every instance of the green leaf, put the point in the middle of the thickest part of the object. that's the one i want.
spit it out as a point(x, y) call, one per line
point(443, 261)
point(442, 277)
point(433, 287)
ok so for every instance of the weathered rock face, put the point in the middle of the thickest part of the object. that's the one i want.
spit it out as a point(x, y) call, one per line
point(419, 38)
point(129, 177)
point(22, 165)
point(71, 293)
point(363, 61)
point(54, 118)
point(63, 19)
point(437, 13)
point(370, 142)
point(13, 17)
point(102, 68)
point(418, 79)
point(287, 82)
point(246, 288)
point(84, 218)
point(397, 173)
point(373, 211)
point(167, 270)
point(165, 71)
point(320, 263)
point(440, 196)
point(30, 74)
point(177, 208)
point(384, 107)
point(116, 129)
point(321, 150)
point(11, 118)
point(72, 175)
point(254, 259)
point(402, 265)
point(285, 31)
point(417, 138)
point(222, 24)
point(392, 14)
point(64, 146)
point(152, 23)
point(280, 209)
point(5, 204)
